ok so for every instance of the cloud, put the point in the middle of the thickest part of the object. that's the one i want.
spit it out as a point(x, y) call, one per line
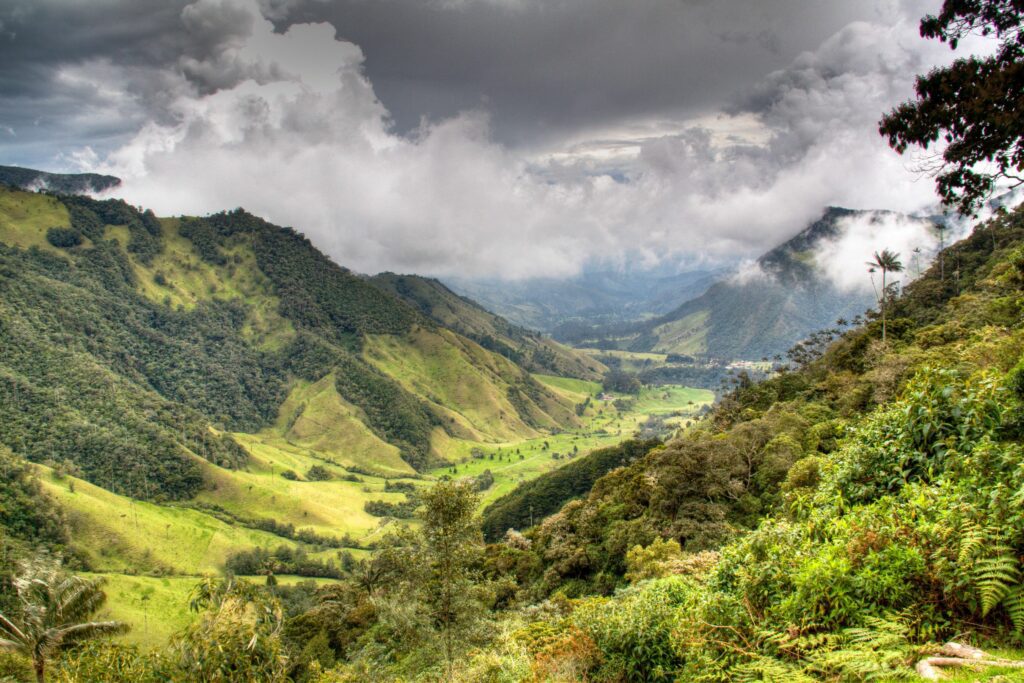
point(283, 119)
point(844, 259)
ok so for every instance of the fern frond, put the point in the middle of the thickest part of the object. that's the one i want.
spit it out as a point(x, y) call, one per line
point(768, 670)
point(972, 539)
point(994, 577)
point(1014, 604)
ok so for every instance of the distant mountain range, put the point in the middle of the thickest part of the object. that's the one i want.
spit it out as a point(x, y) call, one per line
point(759, 313)
point(560, 306)
point(64, 183)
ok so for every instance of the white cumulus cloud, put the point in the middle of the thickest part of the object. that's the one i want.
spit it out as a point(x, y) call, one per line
point(287, 125)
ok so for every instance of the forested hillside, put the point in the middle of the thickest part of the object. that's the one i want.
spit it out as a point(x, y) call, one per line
point(828, 523)
point(525, 347)
point(225, 366)
point(142, 340)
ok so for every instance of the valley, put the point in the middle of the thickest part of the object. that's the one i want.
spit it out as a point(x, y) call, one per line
point(315, 410)
point(152, 554)
point(511, 342)
point(182, 413)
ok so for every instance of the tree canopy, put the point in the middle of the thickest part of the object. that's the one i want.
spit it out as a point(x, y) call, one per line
point(973, 107)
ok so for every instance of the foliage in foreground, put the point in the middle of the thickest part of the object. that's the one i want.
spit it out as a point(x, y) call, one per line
point(54, 611)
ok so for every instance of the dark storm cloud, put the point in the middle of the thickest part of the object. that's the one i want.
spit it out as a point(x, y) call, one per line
point(539, 67)
point(46, 115)
point(546, 66)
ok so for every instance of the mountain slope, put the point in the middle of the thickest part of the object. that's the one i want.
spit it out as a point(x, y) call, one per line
point(463, 315)
point(67, 183)
point(839, 521)
point(137, 336)
point(763, 311)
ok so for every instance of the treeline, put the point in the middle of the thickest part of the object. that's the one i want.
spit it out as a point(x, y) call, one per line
point(391, 412)
point(319, 295)
point(699, 376)
point(272, 526)
point(405, 509)
point(90, 218)
point(282, 560)
point(534, 500)
point(27, 514)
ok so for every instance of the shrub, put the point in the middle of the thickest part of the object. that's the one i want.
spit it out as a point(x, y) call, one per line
point(383, 508)
point(63, 238)
point(634, 633)
point(318, 473)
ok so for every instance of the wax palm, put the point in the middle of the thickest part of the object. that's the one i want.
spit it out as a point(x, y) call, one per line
point(887, 262)
point(55, 611)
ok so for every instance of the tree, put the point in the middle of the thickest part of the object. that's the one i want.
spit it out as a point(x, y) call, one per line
point(887, 262)
point(235, 638)
point(975, 106)
point(621, 381)
point(452, 546)
point(55, 610)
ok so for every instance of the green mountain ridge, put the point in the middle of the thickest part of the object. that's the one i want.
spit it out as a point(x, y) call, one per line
point(530, 349)
point(67, 183)
point(164, 329)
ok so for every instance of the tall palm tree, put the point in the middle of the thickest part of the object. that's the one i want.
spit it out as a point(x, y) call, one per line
point(55, 611)
point(887, 262)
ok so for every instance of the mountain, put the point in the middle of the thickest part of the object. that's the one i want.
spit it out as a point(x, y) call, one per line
point(139, 349)
point(530, 349)
point(759, 312)
point(64, 183)
point(597, 297)
point(839, 504)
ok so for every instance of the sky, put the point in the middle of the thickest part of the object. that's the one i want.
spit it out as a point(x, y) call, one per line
point(480, 138)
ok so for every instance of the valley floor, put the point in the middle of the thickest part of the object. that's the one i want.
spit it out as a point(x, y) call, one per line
point(153, 554)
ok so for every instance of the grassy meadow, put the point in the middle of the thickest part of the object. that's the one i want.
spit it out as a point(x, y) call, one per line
point(153, 554)
point(603, 424)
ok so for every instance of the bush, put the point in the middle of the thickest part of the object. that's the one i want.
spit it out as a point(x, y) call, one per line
point(634, 633)
point(282, 560)
point(319, 473)
point(63, 238)
point(383, 508)
point(621, 382)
